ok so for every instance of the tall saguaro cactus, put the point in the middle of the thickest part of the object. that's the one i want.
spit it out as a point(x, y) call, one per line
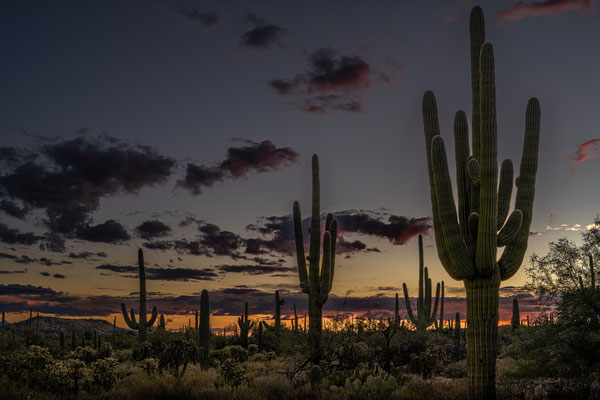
point(467, 240)
point(318, 279)
point(142, 325)
point(425, 317)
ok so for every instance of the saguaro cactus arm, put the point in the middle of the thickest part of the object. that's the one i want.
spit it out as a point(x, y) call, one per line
point(300, 255)
point(130, 323)
point(511, 259)
point(458, 262)
point(153, 317)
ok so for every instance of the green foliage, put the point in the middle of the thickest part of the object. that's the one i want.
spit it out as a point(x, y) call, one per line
point(367, 384)
point(104, 373)
point(178, 353)
point(232, 373)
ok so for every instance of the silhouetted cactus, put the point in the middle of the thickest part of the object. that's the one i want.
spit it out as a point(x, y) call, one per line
point(142, 325)
point(161, 322)
point(424, 317)
point(204, 327)
point(441, 326)
point(515, 321)
point(317, 281)
point(260, 337)
point(457, 330)
point(245, 325)
point(295, 322)
point(467, 240)
point(397, 312)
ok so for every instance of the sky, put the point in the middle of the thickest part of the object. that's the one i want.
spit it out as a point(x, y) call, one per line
point(187, 129)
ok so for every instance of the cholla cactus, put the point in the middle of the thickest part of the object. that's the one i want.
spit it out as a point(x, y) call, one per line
point(143, 325)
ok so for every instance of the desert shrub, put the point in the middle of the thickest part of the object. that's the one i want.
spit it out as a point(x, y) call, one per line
point(150, 365)
point(232, 373)
point(178, 353)
point(367, 384)
point(35, 366)
point(85, 354)
point(105, 351)
point(427, 362)
point(238, 353)
point(252, 349)
point(104, 373)
point(142, 351)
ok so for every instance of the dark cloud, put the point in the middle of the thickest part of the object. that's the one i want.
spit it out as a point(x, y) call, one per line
point(5, 272)
point(163, 274)
point(549, 7)
point(108, 232)
point(198, 176)
point(14, 236)
point(208, 18)
point(84, 255)
point(262, 35)
point(256, 269)
point(331, 83)
point(397, 229)
point(70, 177)
point(152, 229)
point(24, 259)
point(10, 208)
point(254, 157)
point(59, 276)
point(45, 273)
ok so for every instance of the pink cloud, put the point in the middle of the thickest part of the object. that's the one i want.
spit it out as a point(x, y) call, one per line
point(587, 151)
point(549, 7)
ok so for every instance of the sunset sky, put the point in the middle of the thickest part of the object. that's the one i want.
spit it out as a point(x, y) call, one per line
point(187, 129)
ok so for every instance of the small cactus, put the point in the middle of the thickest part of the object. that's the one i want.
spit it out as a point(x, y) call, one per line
point(315, 376)
point(245, 326)
point(515, 321)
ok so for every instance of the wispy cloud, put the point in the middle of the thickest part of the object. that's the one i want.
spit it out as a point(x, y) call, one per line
point(549, 7)
point(586, 151)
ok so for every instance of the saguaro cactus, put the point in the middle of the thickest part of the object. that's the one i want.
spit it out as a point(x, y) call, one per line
point(425, 317)
point(397, 312)
point(295, 323)
point(515, 321)
point(441, 326)
point(142, 325)
point(278, 304)
point(467, 241)
point(245, 325)
point(316, 282)
point(204, 327)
